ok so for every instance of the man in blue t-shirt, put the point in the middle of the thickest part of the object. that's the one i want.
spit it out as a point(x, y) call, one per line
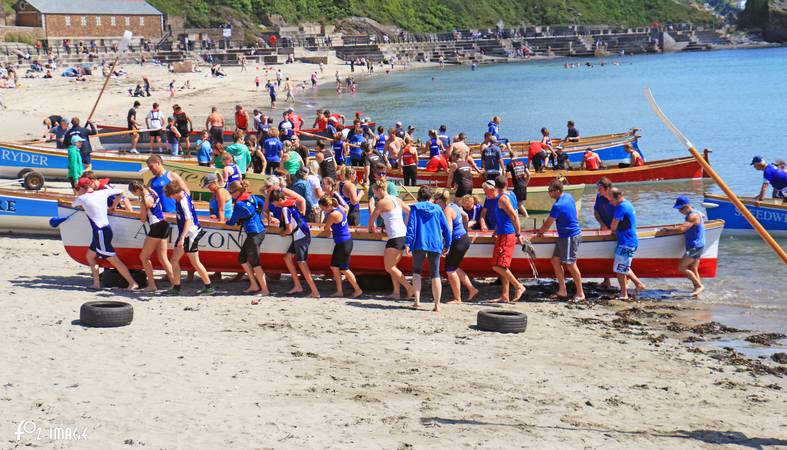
point(491, 158)
point(624, 225)
point(489, 208)
point(772, 175)
point(569, 235)
point(603, 210)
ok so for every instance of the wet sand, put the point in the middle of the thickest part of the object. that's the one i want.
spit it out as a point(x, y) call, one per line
point(215, 372)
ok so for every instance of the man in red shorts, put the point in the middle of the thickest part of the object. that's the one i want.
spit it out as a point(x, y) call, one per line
point(506, 237)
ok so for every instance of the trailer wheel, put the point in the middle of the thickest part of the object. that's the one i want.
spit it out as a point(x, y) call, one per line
point(22, 173)
point(106, 314)
point(33, 181)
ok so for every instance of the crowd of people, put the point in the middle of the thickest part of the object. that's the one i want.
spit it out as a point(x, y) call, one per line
point(304, 188)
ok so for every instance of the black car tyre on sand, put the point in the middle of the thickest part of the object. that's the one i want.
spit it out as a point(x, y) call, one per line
point(106, 314)
point(502, 321)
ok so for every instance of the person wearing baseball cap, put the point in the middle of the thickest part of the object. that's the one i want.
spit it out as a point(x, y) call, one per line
point(75, 167)
point(693, 229)
point(772, 175)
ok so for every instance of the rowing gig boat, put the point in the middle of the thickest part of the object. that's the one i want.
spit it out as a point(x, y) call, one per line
point(771, 213)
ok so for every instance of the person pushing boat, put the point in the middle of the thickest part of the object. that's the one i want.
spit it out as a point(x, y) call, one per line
point(772, 175)
point(293, 224)
point(507, 235)
point(187, 242)
point(520, 177)
point(157, 232)
point(94, 203)
point(427, 238)
point(624, 225)
point(491, 158)
point(337, 226)
point(460, 244)
point(460, 175)
point(603, 210)
point(161, 179)
point(693, 229)
point(394, 213)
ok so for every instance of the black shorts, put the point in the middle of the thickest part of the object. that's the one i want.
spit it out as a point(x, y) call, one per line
point(394, 163)
point(216, 134)
point(250, 250)
point(341, 254)
point(397, 243)
point(85, 154)
point(271, 168)
point(490, 176)
point(357, 162)
point(461, 191)
point(300, 248)
point(192, 246)
point(155, 133)
point(160, 230)
point(457, 253)
point(204, 164)
point(520, 194)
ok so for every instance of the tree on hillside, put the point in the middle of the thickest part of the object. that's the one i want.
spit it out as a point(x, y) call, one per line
point(755, 15)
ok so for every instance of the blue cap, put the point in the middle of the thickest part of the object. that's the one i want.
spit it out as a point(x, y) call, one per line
point(75, 139)
point(756, 160)
point(681, 201)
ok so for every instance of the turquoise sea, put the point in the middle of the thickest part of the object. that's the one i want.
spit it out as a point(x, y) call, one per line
point(733, 102)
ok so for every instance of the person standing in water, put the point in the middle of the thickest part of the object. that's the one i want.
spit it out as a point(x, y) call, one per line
point(394, 213)
point(187, 242)
point(94, 203)
point(460, 244)
point(337, 226)
point(693, 228)
point(158, 232)
point(428, 237)
point(624, 225)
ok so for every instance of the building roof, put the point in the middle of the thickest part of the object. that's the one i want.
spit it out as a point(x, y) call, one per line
point(93, 7)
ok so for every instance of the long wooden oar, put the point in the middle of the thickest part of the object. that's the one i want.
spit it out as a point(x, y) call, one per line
point(121, 48)
point(707, 167)
point(99, 135)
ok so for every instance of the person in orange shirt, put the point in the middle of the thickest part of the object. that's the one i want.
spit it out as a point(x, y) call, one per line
point(591, 161)
point(636, 158)
point(437, 163)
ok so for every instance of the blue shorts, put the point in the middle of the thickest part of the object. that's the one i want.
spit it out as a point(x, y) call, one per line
point(174, 148)
point(102, 242)
point(694, 253)
point(623, 257)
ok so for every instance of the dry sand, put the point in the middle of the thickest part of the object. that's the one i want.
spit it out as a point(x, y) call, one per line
point(215, 372)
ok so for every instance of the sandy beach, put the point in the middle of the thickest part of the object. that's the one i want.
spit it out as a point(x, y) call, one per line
point(215, 372)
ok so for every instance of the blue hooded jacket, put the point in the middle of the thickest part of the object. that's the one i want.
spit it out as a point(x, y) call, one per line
point(427, 228)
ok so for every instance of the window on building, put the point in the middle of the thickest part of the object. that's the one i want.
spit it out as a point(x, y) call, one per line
point(68, 21)
point(128, 21)
point(98, 21)
point(112, 21)
point(83, 21)
point(142, 21)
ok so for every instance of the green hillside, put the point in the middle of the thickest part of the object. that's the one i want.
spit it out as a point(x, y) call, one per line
point(443, 15)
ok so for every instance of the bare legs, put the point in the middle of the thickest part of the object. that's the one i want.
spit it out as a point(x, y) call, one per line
point(159, 246)
point(257, 281)
point(289, 260)
point(557, 265)
point(689, 267)
point(507, 278)
point(337, 273)
point(391, 257)
point(437, 291)
point(457, 279)
point(623, 282)
point(92, 260)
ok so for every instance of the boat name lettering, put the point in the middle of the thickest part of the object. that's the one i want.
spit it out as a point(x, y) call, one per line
point(24, 157)
point(7, 205)
point(213, 239)
point(766, 215)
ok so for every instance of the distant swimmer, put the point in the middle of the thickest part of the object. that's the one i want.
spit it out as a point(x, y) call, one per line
point(772, 175)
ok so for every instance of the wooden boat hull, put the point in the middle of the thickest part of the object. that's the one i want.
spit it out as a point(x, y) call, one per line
point(658, 255)
point(26, 212)
point(655, 171)
point(771, 215)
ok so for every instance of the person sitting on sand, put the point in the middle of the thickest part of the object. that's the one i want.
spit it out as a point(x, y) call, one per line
point(292, 223)
point(94, 203)
point(569, 235)
point(247, 213)
point(428, 236)
point(693, 228)
point(624, 225)
point(337, 226)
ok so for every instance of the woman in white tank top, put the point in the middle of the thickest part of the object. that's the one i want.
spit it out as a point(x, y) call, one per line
point(394, 212)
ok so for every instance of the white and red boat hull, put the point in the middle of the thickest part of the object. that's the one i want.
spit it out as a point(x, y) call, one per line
point(657, 256)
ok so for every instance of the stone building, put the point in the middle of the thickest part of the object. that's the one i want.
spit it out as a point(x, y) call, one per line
point(90, 18)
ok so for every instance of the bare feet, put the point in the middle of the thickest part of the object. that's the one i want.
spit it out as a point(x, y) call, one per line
point(472, 294)
point(393, 296)
point(623, 299)
point(315, 294)
point(436, 309)
point(578, 299)
point(518, 293)
point(151, 288)
point(455, 301)
point(251, 289)
point(356, 294)
point(416, 305)
point(639, 289)
point(697, 291)
point(95, 286)
point(295, 290)
point(133, 287)
point(337, 294)
point(499, 300)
